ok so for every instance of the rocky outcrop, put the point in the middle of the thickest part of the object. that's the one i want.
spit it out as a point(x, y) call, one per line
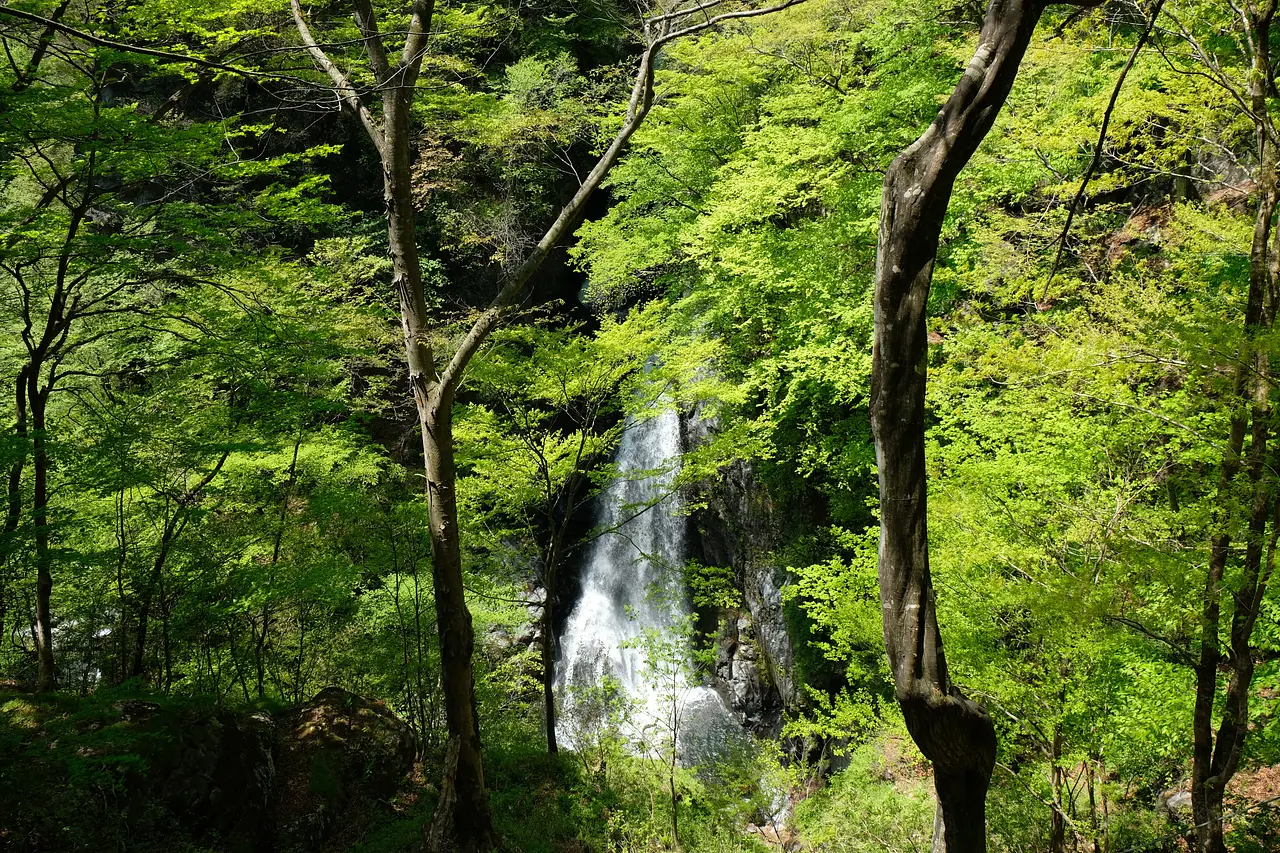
point(521, 644)
point(501, 643)
point(253, 782)
point(335, 750)
point(216, 773)
point(742, 676)
point(741, 527)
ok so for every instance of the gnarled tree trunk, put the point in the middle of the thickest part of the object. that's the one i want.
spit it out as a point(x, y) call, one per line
point(953, 732)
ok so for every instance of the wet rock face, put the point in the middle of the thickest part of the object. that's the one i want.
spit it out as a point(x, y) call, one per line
point(742, 676)
point(335, 751)
point(743, 528)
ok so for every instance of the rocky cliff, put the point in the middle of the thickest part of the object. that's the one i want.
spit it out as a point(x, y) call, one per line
point(742, 527)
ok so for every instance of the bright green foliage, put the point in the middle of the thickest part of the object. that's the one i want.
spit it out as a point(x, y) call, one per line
point(1076, 425)
point(880, 802)
point(231, 444)
point(752, 194)
point(552, 413)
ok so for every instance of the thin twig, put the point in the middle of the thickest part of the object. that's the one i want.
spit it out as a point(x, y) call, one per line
point(1102, 138)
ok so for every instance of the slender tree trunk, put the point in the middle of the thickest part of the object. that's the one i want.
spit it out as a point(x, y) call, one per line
point(13, 493)
point(953, 732)
point(155, 580)
point(235, 660)
point(549, 673)
point(300, 660)
point(549, 584)
point(675, 814)
point(1096, 842)
point(37, 397)
point(120, 639)
point(465, 821)
point(1216, 754)
point(260, 649)
point(173, 527)
point(1058, 822)
point(166, 609)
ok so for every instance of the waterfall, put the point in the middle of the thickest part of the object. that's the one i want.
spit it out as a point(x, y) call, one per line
point(632, 585)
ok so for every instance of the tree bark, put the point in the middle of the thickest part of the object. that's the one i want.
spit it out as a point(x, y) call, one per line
point(467, 811)
point(13, 494)
point(1058, 822)
point(549, 655)
point(952, 731)
point(154, 578)
point(37, 398)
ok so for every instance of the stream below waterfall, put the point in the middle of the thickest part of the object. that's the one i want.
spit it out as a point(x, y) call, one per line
point(633, 600)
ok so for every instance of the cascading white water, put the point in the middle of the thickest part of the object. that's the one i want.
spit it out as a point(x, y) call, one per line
point(632, 584)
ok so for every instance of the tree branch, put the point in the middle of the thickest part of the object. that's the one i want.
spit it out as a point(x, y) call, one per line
point(346, 92)
point(1182, 653)
point(377, 51)
point(637, 108)
point(28, 75)
point(1102, 138)
point(163, 55)
point(415, 45)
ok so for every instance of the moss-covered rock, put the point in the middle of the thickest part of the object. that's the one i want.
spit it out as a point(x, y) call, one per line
point(337, 752)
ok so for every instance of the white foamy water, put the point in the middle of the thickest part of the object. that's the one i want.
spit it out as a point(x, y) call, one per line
point(631, 583)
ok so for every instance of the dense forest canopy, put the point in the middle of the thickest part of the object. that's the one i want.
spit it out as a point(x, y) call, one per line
point(491, 425)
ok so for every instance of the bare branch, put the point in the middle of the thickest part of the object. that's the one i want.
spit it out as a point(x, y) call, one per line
point(1102, 138)
point(346, 92)
point(720, 19)
point(373, 45)
point(685, 12)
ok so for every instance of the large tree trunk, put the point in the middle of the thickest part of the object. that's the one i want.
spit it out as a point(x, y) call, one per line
point(953, 732)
